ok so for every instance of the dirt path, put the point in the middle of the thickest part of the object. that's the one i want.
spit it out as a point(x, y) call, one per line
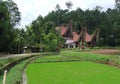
point(106, 51)
point(24, 77)
point(24, 55)
point(13, 55)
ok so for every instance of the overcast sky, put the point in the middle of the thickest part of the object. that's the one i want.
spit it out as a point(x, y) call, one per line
point(30, 9)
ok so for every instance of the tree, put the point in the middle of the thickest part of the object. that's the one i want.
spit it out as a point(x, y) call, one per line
point(57, 8)
point(14, 13)
point(8, 13)
point(69, 4)
point(37, 28)
point(52, 41)
point(117, 2)
point(20, 40)
point(99, 8)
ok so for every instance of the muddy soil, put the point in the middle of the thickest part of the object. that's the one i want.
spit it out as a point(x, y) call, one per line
point(106, 51)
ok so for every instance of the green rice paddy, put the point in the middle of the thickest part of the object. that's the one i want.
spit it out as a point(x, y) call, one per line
point(72, 73)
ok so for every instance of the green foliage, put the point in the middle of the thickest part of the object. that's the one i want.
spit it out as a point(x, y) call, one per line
point(116, 59)
point(43, 34)
point(9, 17)
point(51, 41)
point(37, 29)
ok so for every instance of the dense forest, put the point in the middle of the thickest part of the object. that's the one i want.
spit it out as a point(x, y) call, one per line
point(41, 32)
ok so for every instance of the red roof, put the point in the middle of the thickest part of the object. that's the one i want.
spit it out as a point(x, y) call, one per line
point(75, 36)
point(88, 37)
point(63, 30)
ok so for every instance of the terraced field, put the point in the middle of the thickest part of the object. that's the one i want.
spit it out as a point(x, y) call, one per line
point(73, 68)
point(67, 67)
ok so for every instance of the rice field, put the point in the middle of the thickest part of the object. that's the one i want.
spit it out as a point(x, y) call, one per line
point(72, 73)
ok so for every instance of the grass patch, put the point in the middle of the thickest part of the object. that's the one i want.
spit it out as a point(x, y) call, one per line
point(116, 59)
point(53, 58)
point(72, 73)
point(71, 55)
point(5, 61)
point(9, 60)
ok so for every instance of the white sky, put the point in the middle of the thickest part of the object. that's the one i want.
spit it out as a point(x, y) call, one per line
point(30, 9)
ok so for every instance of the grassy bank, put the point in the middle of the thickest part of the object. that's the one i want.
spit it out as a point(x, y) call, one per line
point(8, 60)
point(73, 56)
point(15, 74)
